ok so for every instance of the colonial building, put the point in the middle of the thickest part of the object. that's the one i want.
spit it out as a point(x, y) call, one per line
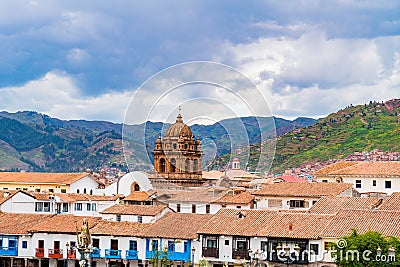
point(178, 156)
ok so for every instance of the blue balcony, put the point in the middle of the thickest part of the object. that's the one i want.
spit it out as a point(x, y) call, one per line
point(6, 251)
point(171, 255)
point(95, 253)
point(131, 255)
point(113, 254)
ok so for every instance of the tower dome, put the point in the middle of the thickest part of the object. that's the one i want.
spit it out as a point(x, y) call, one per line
point(179, 129)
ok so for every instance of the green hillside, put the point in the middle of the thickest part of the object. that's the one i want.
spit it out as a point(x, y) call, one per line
point(353, 129)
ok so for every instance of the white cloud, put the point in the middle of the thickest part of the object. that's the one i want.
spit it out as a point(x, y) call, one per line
point(57, 95)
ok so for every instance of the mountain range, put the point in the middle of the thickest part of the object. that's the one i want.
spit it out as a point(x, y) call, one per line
point(37, 142)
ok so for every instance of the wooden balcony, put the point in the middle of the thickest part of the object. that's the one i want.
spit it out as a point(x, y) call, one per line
point(211, 252)
point(71, 254)
point(39, 253)
point(55, 253)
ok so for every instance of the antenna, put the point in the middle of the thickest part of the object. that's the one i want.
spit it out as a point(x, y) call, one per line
point(180, 109)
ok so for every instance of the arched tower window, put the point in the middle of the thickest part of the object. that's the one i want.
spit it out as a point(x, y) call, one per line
point(187, 162)
point(137, 187)
point(162, 165)
point(173, 165)
point(195, 166)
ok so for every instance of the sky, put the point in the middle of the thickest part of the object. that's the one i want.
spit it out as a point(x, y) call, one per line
point(86, 59)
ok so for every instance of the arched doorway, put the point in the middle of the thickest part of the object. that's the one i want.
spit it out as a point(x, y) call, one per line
point(162, 165)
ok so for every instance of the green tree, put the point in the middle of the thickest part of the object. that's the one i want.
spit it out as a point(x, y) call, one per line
point(362, 250)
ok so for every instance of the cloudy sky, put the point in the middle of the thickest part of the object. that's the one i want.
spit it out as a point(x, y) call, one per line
point(86, 59)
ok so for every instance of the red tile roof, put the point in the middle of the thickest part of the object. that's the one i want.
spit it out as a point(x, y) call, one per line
point(238, 222)
point(139, 196)
point(303, 189)
point(363, 168)
point(391, 203)
point(177, 225)
point(118, 228)
point(38, 178)
point(332, 204)
point(144, 210)
point(20, 223)
point(385, 222)
point(63, 224)
point(291, 179)
point(243, 197)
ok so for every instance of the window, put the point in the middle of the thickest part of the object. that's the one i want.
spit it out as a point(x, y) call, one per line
point(25, 189)
point(358, 183)
point(297, 204)
point(264, 246)
point(88, 206)
point(65, 207)
point(91, 192)
point(77, 191)
point(96, 242)
point(94, 208)
point(373, 182)
point(212, 243)
point(178, 207)
point(25, 244)
point(193, 208)
point(224, 206)
point(207, 209)
point(46, 206)
point(388, 184)
point(314, 202)
point(314, 248)
point(324, 181)
point(39, 206)
point(133, 245)
point(63, 190)
point(12, 243)
point(174, 146)
point(118, 217)
point(171, 246)
point(238, 207)
point(140, 219)
point(84, 190)
point(78, 206)
point(241, 244)
point(226, 242)
point(37, 190)
point(154, 245)
point(51, 190)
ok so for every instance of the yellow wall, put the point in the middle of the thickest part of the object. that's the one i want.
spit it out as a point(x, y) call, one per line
point(34, 187)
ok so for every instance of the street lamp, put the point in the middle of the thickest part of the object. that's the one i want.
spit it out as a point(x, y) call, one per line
point(193, 251)
point(287, 257)
point(390, 257)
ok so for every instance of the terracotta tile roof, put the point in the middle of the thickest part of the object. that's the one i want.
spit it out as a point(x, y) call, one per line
point(366, 168)
point(63, 224)
point(385, 222)
point(118, 228)
point(335, 167)
point(139, 196)
point(243, 197)
point(296, 225)
point(290, 179)
point(7, 194)
point(302, 189)
point(391, 203)
point(177, 225)
point(332, 204)
point(20, 223)
point(202, 195)
point(237, 222)
point(37, 177)
point(73, 197)
point(144, 210)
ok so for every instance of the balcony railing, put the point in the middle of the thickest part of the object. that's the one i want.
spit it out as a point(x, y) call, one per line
point(95, 253)
point(55, 253)
point(211, 252)
point(71, 254)
point(171, 255)
point(113, 254)
point(242, 253)
point(39, 253)
point(131, 255)
point(6, 251)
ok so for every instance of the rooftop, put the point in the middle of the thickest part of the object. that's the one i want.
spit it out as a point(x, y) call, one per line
point(38, 178)
point(63, 224)
point(302, 189)
point(20, 223)
point(118, 228)
point(332, 204)
point(144, 210)
point(234, 197)
point(177, 225)
point(392, 202)
point(391, 168)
